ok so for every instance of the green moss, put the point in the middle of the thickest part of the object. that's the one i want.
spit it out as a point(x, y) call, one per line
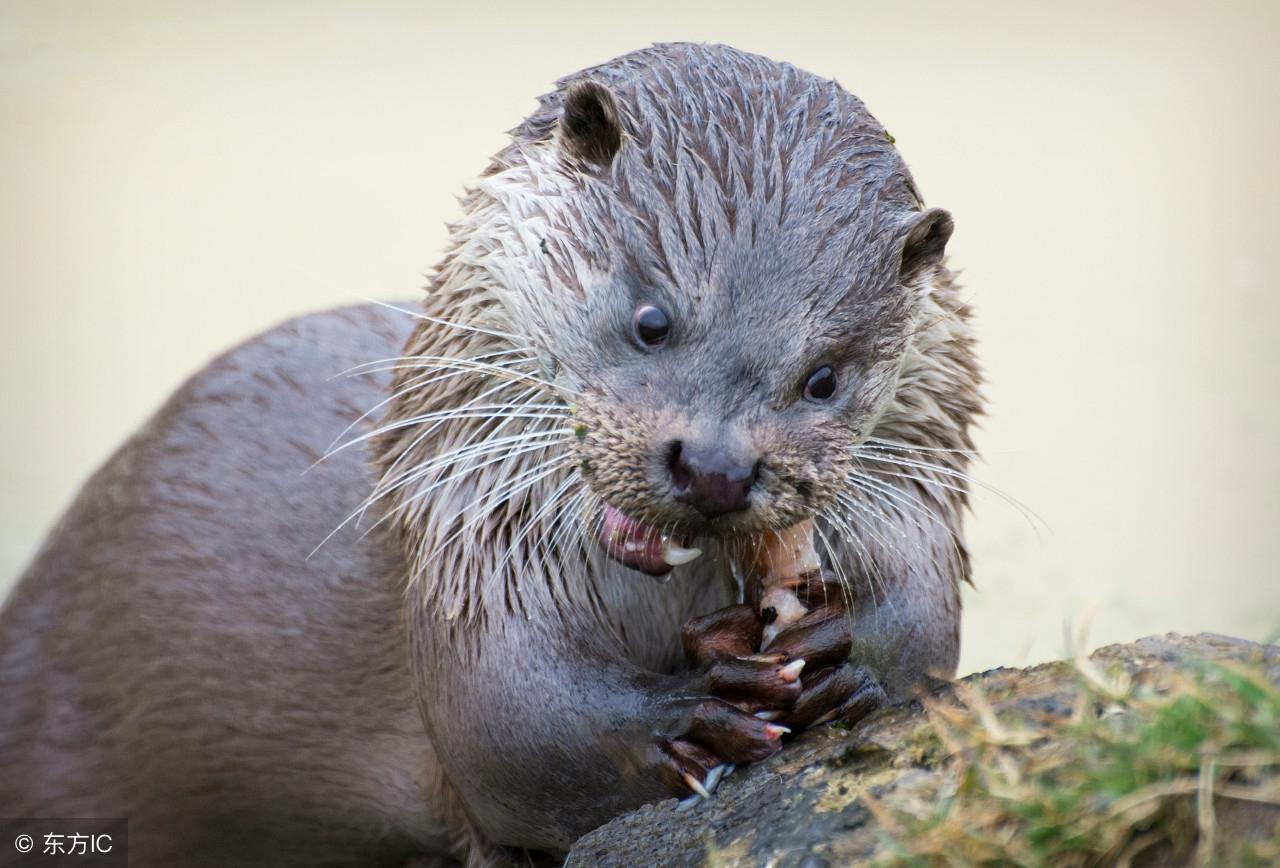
point(1134, 769)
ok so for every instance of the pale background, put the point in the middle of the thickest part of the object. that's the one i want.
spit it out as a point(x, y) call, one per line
point(175, 177)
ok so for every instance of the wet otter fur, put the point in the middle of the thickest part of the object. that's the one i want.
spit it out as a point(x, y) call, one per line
point(461, 667)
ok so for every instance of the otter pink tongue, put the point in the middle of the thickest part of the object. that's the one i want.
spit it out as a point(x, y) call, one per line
point(641, 546)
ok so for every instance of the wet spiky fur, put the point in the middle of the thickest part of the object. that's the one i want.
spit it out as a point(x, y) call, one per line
point(765, 207)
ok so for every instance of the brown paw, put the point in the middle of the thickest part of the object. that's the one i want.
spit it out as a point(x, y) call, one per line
point(722, 635)
point(723, 646)
point(845, 692)
point(697, 735)
point(822, 637)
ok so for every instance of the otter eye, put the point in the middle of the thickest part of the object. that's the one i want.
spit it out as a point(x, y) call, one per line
point(821, 384)
point(651, 326)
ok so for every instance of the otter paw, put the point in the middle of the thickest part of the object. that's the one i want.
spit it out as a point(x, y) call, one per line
point(845, 692)
point(834, 688)
point(725, 634)
point(699, 735)
point(723, 645)
point(822, 637)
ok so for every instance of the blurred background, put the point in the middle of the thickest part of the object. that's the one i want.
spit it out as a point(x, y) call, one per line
point(175, 177)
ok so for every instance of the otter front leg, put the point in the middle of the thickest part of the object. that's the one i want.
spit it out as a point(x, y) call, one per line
point(545, 732)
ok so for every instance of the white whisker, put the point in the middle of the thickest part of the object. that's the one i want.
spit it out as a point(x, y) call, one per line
point(448, 323)
point(869, 454)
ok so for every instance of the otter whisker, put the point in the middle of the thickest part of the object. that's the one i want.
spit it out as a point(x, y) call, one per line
point(411, 360)
point(850, 539)
point(1026, 512)
point(553, 539)
point(449, 323)
point(453, 478)
point(484, 411)
point(848, 500)
point(460, 454)
point(925, 480)
point(465, 364)
point(535, 520)
point(873, 486)
point(552, 535)
point(588, 504)
point(506, 446)
point(888, 497)
point(566, 570)
point(544, 473)
point(871, 511)
point(493, 500)
point(473, 433)
point(850, 505)
point(477, 432)
point(510, 488)
point(842, 578)
point(908, 447)
point(872, 567)
point(462, 461)
point(444, 363)
point(879, 515)
point(411, 385)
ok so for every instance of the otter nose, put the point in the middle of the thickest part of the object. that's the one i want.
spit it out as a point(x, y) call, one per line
point(710, 478)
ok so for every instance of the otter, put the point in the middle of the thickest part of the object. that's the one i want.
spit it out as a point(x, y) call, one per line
point(696, 298)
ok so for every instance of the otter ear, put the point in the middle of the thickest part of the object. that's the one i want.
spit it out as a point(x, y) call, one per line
point(589, 125)
point(926, 241)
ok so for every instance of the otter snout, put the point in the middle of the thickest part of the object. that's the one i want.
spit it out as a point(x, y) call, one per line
point(712, 476)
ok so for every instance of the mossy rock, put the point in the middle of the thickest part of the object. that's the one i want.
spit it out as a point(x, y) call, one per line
point(1164, 751)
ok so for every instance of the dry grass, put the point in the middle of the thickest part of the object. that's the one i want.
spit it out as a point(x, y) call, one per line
point(1137, 771)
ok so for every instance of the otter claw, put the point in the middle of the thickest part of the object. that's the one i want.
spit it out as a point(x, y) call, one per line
point(769, 714)
point(791, 672)
point(694, 784)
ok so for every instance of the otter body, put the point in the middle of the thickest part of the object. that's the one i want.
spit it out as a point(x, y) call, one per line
point(697, 298)
point(173, 656)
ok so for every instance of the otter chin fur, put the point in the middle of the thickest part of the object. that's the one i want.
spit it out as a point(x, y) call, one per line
point(696, 299)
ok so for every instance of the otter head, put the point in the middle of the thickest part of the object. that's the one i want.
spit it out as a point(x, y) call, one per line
point(746, 250)
point(720, 268)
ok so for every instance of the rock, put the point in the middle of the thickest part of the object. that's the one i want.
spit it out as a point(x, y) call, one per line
point(836, 797)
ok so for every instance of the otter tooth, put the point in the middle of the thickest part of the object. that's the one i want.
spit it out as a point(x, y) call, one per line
point(674, 555)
